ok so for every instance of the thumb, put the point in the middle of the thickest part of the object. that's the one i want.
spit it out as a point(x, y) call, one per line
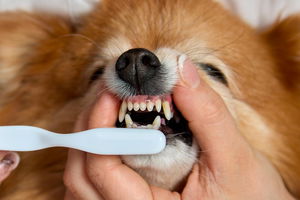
point(209, 120)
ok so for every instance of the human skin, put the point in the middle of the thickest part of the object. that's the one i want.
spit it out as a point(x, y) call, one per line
point(228, 167)
point(8, 162)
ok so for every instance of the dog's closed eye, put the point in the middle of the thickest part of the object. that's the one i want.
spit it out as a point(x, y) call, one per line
point(97, 73)
point(213, 72)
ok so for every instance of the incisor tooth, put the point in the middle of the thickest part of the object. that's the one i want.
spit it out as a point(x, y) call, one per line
point(128, 121)
point(149, 126)
point(136, 106)
point(150, 106)
point(122, 111)
point(130, 105)
point(143, 106)
point(156, 122)
point(167, 110)
point(158, 105)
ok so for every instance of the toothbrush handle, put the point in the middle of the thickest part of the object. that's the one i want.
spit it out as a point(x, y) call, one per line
point(106, 141)
point(115, 141)
point(23, 138)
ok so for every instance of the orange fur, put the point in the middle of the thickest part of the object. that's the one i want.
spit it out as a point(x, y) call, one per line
point(50, 62)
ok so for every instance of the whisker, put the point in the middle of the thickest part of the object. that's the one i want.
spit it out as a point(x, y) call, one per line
point(174, 135)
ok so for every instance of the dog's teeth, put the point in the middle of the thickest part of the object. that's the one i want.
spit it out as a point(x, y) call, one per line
point(128, 121)
point(136, 106)
point(167, 110)
point(134, 125)
point(156, 122)
point(158, 105)
point(129, 105)
point(145, 126)
point(149, 126)
point(122, 111)
point(150, 106)
point(143, 106)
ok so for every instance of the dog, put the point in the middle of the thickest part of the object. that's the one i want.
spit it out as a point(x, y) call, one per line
point(51, 69)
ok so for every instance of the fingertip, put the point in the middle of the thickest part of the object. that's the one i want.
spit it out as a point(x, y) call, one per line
point(106, 105)
point(188, 73)
point(8, 163)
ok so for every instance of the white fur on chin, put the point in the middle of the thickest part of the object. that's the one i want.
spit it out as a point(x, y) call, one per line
point(168, 168)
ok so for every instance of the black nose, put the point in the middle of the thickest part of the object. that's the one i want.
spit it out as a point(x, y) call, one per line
point(137, 67)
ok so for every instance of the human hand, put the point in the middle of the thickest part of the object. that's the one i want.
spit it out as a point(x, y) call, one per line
point(228, 167)
point(8, 162)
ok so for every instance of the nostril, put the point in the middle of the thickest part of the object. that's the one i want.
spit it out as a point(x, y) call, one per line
point(122, 63)
point(146, 60)
point(150, 61)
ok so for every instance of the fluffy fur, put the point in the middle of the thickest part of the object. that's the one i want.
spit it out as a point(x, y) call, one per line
point(46, 62)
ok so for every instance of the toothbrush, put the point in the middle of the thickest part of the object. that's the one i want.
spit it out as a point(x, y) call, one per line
point(105, 141)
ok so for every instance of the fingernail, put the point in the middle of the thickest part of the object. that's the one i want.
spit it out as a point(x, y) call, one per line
point(9, 162)
point(188, 72)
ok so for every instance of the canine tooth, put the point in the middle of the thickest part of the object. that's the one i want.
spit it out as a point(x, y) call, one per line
point(128, 121)
point(143, 106)
point(150, 106)
point(136, 106)
point(158, 105)
point(156, 122)
point(122, 111)
point(167, 110)
point(130, 105)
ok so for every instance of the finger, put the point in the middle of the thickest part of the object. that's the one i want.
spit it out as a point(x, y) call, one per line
point(162, 194)
point(208, 118)
point(107, 173)
point(194, 188)
point(116, 181)
point(104, 112)
point(75, 177)
point(8, 162)
point(69, 196)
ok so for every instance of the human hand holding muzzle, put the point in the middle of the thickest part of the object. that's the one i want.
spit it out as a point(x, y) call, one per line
point(228, 168)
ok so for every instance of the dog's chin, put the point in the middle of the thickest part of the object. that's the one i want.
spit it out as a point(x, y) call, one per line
point(167, 169)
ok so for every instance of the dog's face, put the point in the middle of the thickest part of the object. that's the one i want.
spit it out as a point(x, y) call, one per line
point(138, 48)
point(133, 49)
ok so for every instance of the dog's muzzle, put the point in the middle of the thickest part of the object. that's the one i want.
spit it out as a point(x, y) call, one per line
point(140, 68)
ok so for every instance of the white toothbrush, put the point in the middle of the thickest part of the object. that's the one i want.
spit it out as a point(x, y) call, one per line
point(105, 141)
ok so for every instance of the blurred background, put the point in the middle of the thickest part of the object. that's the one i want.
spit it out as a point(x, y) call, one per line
point(258, 13)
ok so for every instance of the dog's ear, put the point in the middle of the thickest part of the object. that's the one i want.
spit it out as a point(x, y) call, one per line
point(284, 40)
point(20, 36)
